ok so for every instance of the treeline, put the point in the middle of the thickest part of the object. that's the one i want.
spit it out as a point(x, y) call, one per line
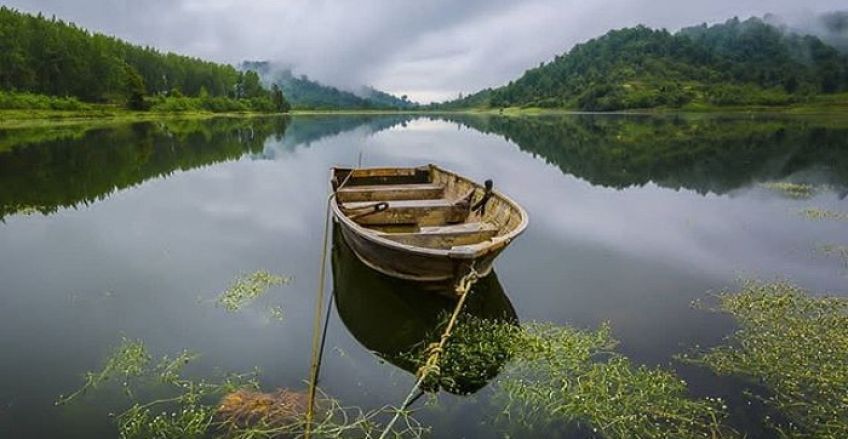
point(735, 63)
point(54, 58)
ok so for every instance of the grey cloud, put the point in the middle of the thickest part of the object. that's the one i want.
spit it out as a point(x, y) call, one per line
point(426, 49)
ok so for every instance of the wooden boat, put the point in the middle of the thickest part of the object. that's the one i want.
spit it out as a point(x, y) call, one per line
point(423, 224)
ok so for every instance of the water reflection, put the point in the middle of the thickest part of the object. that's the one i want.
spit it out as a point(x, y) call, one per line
point(602, 246)
point(83, 166)
point(43, 170)
point(701, 153)
point(393, 318)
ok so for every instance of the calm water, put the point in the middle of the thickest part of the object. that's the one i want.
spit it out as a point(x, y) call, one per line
point(132, 231)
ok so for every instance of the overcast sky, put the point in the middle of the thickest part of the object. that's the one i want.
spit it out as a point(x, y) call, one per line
point(430, 50)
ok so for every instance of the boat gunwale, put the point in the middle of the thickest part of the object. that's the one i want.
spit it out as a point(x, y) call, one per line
point(483, 248)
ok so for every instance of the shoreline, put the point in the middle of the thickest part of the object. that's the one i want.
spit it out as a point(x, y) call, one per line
point(11, 119)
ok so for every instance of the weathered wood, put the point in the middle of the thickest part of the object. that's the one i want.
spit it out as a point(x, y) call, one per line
point(421, 212)
point(424, 239)
point(420, 191)
point(445, 237)
point(379, 176)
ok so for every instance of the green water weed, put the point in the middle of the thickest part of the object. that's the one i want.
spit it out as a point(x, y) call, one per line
point(246, 288)
point(129, 360)
point(794, 344)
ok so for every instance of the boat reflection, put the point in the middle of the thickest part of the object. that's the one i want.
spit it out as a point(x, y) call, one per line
point(392, 317)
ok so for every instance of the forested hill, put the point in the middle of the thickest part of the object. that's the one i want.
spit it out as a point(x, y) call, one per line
point(735, 63)
point(307, 94)
point(51, 57)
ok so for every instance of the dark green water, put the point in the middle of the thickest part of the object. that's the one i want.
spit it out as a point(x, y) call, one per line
point(134, 230)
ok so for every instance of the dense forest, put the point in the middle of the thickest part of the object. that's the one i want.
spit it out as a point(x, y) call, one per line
point(307, 94)
point(41, 56)
point(735, 63)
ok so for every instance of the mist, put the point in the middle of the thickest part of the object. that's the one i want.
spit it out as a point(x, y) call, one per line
point(429, 51)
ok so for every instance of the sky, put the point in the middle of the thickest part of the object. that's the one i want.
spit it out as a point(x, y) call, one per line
point(430, 50)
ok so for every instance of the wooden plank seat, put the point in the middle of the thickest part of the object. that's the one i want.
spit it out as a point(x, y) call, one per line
point(445, 237)
point(422, 191)
point(435, 212)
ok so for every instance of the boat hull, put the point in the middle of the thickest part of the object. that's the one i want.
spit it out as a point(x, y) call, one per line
point(391, 261)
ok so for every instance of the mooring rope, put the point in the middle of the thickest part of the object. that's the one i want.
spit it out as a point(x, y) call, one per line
point(435, 350)
point(319, 335)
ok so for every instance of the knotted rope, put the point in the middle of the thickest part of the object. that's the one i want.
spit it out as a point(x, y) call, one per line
point(435, 350)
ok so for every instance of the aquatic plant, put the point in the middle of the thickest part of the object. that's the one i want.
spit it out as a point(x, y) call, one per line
point(231, 407)
point(275, 312)
point(129, 360)
point(791, 190)
point(815, 213)
point(251, 414)
point(557, 375)
point(794, 344)
point(563, 376)
point(475, 353)
point(247, 288)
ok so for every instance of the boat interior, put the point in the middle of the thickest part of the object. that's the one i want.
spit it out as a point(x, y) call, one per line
point(423, 207)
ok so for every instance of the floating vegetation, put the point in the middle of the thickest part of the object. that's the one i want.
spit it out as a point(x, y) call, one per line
point(275, 312)
point(252, 414)
point(797, 346)
point(814, 213)
point(128, 361)
point(475, 353)
point(246, 288)
point(231, 407)
point(556, 375)
point(791, 190)
point(563, 375)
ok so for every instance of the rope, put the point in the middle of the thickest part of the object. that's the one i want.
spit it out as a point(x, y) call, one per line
point(318, 340)
point(435, 350)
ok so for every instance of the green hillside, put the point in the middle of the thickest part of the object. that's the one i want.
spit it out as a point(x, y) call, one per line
point(734, 63)
point(41, 56)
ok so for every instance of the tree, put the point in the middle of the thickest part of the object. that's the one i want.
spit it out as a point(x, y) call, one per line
point(280, 102)
point(251, 86)
point(135, 90)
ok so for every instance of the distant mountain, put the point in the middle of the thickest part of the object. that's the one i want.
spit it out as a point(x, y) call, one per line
point(735, 63)
point(304, 93)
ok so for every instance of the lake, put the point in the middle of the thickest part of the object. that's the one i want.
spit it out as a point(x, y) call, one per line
point(134, 230)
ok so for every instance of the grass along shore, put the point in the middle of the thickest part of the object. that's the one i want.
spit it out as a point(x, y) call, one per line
point(66, 111)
